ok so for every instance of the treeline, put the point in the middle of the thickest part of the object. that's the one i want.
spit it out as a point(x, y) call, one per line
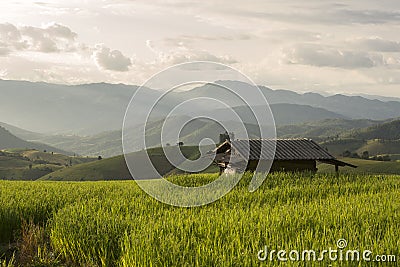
point(365, 155)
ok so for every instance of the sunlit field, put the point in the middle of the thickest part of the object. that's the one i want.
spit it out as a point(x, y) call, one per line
point(116, 224)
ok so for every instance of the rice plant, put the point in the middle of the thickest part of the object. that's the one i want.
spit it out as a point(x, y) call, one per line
point(116, 224)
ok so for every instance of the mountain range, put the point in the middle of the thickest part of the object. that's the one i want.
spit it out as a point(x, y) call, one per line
point(91, 109)
point(87, 119)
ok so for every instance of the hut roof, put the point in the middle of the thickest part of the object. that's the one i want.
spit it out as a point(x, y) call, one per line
point(285, 149)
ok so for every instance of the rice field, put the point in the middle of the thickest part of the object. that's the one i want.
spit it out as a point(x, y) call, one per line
point(114, 223)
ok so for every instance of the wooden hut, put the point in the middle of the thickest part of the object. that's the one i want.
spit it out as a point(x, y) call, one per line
point(290, 155)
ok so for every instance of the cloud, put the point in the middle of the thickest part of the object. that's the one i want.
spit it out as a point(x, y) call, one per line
point(181, 56)
point(10, 37)
point(4, 51)
point(305, 12)
point(51, 38)
point(109, 59)
point(320, 56)
point(369, 16)
point(378, 44)
point(185, 38)
point(182, 53)
point(57, 38)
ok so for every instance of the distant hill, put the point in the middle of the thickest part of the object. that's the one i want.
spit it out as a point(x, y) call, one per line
point(90, 109)
point(378, 97)
point(324, 129)
point(109, 144)
point(336, 134)
point(387, 131)
point(379, 139)
point(53, 108)
point(380, 147)
point(21, 133)
point(8, 140)
point(27, 164)
point(355, 107)
point(339, 146)
point(285, 114)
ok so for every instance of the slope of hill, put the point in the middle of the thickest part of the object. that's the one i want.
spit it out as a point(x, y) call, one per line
point(8, 140)
point(21, 133)
point(21, 164)
point(284, 114)
point(380, 147)
point(116, 169)
point(374, 147)
point(324, 129)
point(388, 131)
point(56, 108)
point(364, 167)
point(106, 169)
point(355, 107)
point(380, 139)
point(107, 144)
point(338, 147)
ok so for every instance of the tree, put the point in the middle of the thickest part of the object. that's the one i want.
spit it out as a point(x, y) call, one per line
point(347, 154)
point(180, 144)
point(365, 155)
point(99, 157)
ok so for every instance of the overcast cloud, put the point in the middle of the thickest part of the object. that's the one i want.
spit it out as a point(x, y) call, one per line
point(111, 60)
point(330, 46)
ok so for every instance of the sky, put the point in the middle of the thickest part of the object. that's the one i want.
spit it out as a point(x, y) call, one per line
point(349, 47)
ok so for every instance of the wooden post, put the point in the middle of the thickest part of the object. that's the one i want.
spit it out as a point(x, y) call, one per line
point(337, 168)
point(221, 170)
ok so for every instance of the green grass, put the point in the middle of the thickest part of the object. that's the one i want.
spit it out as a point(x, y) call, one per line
point(114, 223)
point(26, 173)
point(115, 168)
point(394, 157)
point(374, 147)
point(337, 147)
point(364, 167)
point(55, 158)
point(105, 169)
point(28, 164)
point(378, 147)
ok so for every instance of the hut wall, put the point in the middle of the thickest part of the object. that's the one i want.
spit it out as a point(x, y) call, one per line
point(287, 165)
